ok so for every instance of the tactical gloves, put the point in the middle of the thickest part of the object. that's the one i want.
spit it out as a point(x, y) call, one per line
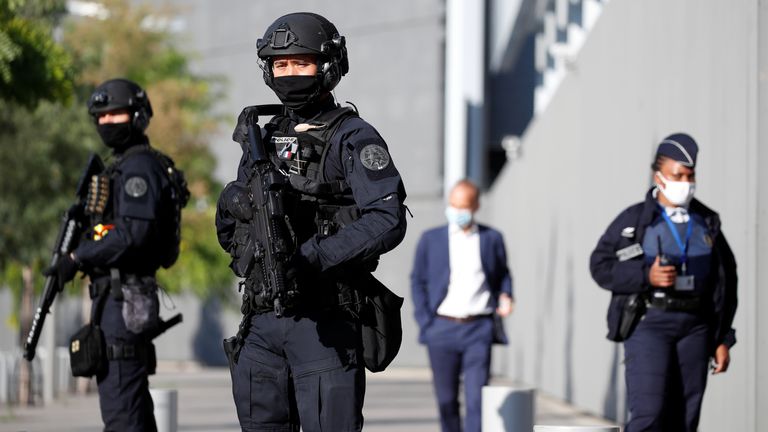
point(65, 270)
point(236, 201)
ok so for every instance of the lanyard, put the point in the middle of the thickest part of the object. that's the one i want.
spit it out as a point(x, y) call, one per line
point(676, 235)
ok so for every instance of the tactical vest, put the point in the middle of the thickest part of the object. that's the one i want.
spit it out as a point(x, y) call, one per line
point(316, 205)
point(304, 155)
point(100, 209)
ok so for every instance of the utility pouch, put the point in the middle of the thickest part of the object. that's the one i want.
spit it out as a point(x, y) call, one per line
point(233, 344)
point(232, 351)
point(87, 351)
point(633, 312)
point(381, 326)
point(141, 306)
point(87, 347)
point(242, 250)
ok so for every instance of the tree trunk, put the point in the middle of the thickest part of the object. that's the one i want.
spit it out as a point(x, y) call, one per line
point(25, 367)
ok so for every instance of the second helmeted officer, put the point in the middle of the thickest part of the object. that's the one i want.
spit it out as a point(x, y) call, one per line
point(673, 281)
point(303, 365)
point(134, 208)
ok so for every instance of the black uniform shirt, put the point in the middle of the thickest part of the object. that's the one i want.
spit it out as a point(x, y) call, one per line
point(138, 190)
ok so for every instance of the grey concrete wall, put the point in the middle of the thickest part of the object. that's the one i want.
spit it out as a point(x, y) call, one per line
point(760, 303)
point(648, 69)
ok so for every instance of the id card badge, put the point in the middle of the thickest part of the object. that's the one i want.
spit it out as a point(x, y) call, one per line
point(684, 283)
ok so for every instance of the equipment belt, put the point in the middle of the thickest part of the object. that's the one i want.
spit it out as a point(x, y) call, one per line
point(465, 319)
point(126, 352)
point(672, 303)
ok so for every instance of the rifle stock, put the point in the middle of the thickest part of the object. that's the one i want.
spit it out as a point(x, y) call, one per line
point(165, 325)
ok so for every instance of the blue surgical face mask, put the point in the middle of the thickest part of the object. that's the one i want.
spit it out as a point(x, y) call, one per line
point(460, 217)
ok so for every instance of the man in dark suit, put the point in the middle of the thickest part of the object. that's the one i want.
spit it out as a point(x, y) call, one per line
point(459, 280)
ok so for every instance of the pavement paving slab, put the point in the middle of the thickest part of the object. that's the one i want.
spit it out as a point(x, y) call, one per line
point(396, 400)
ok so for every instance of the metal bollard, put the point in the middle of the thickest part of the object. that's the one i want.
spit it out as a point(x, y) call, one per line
point(64, 379)
point(508, 409)
point(5, 377)
point(541, 428)
point(166, 409)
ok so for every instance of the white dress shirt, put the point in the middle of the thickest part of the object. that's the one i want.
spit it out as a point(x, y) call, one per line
point(468, 292)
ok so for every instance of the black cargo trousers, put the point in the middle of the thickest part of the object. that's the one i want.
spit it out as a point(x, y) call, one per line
point(303, 368)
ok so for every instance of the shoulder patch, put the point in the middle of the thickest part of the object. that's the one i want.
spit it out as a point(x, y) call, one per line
point(136, 187)
point(374, 157)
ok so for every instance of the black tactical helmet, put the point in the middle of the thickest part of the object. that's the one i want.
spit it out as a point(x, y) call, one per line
point(118, 94)
point(305, 33)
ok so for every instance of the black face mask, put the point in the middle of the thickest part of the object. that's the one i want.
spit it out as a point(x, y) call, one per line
point(297, 91)
point(117, 136)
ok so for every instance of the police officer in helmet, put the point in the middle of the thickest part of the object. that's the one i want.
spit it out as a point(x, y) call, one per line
point(133, 210)
point(345, 207)
point(673, 281)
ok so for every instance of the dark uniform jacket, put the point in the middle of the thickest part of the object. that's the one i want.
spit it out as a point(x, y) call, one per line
point(140, 189)
point(378, 193)
point(630, 276)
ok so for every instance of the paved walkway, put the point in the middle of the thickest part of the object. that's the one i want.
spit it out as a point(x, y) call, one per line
point(396, 400)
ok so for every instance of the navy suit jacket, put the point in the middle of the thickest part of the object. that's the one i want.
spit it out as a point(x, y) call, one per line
point(431, 272)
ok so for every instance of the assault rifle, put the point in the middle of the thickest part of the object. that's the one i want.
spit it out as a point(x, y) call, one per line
point(73, 223)
point(273, 244)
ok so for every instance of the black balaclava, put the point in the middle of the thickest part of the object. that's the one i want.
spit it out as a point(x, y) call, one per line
point(297, 91)
point(120, 136)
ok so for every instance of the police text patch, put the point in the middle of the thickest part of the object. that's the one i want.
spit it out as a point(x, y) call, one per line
point(374, 157)
point(136, 187)
point(629, 252)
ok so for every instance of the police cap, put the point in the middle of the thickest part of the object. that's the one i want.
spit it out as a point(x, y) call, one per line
point(679, 147)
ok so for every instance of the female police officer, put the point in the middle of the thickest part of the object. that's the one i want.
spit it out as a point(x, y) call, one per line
point(302, 360)
point(673, 279)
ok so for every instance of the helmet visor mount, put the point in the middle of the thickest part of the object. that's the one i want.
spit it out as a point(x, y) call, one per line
point(99, 100)
point(282, 38)
point(282, 41)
